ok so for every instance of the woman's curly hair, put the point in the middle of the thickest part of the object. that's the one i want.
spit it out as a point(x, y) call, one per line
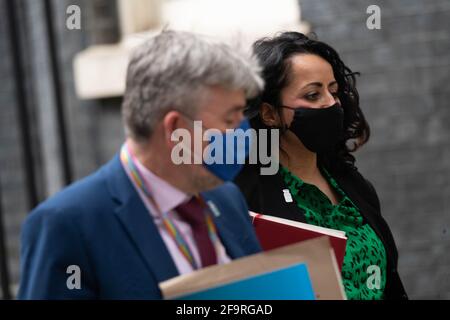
point(274, 56)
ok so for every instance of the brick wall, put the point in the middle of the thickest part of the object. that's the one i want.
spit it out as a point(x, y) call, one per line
point(12, 176)
point(94, 127)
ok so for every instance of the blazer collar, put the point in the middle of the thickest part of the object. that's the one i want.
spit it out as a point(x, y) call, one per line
point(132, 213)
point(232, 242)
point(274, 201)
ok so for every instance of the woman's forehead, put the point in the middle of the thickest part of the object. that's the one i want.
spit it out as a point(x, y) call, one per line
point(306, 68)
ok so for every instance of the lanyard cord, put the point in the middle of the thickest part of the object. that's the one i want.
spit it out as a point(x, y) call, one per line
point(128, 160)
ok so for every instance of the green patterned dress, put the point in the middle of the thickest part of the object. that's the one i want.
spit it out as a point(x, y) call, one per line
point(364, 248)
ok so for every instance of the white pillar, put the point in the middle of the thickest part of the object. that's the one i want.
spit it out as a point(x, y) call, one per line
point(139, 15)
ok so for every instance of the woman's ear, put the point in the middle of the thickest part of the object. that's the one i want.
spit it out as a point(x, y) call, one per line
point(269, 115)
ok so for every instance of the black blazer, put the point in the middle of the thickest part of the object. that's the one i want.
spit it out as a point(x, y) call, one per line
point(264, 195)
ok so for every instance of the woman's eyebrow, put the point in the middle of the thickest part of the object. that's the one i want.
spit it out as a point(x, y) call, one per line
point(319, 84)
point(332, 83)
point(313, 84)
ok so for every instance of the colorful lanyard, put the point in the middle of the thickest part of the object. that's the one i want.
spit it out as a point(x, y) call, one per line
point(128, 160)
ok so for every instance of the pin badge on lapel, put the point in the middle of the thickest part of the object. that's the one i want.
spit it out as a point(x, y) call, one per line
point(213, 208)
point(287, 196)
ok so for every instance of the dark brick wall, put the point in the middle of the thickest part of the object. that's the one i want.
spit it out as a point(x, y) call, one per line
point(94, 127)
point(404, 89)
point(12, 177)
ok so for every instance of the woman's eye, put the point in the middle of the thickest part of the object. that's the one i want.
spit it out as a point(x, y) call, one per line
point(312, 96)
point(335, 94)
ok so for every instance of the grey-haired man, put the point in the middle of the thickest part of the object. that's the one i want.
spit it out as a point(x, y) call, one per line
point(143, 218)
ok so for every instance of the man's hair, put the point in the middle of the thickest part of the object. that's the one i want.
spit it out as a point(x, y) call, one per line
point(173, 70)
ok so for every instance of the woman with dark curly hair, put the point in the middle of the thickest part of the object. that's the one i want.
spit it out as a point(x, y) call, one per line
point(311, 97)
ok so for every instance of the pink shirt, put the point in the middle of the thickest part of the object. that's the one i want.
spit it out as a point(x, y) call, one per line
point(168, 198)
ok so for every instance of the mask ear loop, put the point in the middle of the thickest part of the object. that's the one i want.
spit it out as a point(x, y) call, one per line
point(283, 127)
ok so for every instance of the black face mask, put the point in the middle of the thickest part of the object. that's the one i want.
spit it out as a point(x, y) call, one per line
point(318, 129)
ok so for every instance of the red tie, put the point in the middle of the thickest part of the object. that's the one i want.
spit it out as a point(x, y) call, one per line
point(193, 213)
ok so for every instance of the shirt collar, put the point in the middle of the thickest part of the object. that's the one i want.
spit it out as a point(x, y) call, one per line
point(166, 196)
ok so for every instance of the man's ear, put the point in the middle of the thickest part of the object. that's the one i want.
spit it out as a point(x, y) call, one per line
point(269, 115)
point(171, 121)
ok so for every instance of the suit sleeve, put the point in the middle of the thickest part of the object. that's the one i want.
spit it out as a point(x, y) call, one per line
point(54, 262)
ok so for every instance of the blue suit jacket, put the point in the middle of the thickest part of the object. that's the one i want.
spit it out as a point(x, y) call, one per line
point(101, 225)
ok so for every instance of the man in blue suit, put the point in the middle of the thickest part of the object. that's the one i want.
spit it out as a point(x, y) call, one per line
point(150, 214)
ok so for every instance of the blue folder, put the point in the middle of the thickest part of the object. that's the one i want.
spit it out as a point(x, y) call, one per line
point(290, 283)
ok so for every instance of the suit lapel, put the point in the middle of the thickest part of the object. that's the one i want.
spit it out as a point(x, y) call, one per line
point(133, 215)
point(232, 242)
point(274, 201)
point(138, 223)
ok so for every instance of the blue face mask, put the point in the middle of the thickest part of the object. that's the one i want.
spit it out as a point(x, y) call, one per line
point(227, 151)
point(225, 155)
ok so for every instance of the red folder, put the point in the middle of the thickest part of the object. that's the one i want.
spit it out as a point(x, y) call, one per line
point(274, 232)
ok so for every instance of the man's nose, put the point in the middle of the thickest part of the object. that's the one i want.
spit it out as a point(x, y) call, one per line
point(241, 117)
